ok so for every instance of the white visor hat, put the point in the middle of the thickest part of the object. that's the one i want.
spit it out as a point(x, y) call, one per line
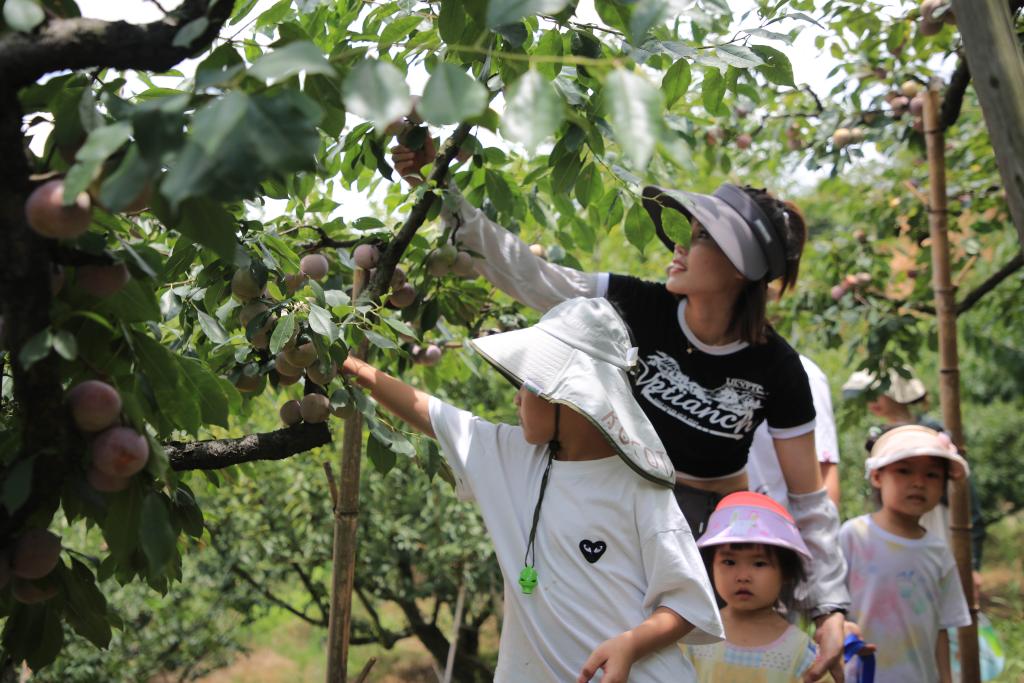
point(578, 355)
point(914, 441)
point(747, 237)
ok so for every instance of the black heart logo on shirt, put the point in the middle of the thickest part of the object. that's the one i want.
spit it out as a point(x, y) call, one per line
point(592, 550)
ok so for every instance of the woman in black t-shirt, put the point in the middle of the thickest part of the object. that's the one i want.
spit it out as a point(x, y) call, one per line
point(710, 369)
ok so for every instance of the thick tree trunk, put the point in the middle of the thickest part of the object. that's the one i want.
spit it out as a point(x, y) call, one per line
point(997, 70)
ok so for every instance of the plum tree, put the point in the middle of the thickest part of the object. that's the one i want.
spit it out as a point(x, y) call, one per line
point(48, 216)
point(120, 452)
point(95, 405)
point(463, 266)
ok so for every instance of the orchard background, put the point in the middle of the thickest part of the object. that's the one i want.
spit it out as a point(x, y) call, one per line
point(204, 158)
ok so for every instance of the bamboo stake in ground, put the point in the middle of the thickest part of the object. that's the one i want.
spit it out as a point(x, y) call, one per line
point(949, 374)
point(346, 514)
point(346, 521)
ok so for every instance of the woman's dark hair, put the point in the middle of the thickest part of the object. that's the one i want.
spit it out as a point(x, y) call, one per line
point(749, 313)
point(788, 562)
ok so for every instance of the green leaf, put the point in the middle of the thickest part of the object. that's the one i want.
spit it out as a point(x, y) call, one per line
point(776, 67)
point(101, 143)
point(85, 608)
point(135, 302)
point(712, 91)
point(17, 484)
point(205, 387)
point(121, 524)
point(156, 536)
point(639, 227)
point(550, 45)
point(533, 110)
point(65, 345)
point(397, 30)
point(676, 81)
point(190, 32)
point(588, 185)
point(634, 108)
point(739, 56)
point(161, 368)
point(208, 223)
point(282, 333)
point(382, 457)
point(646, 15)
point(451, 96)
point(451, 21)
point(36, 348)
point(212, 328)
point(320, 321)
point(501, 12)
point(239, 140)
point(676, 226)
point(128, 182)
point(499, 191)
point(377, 92)
point(379, 340)
point(291, 60)
point(401, 327)
point(23, 15)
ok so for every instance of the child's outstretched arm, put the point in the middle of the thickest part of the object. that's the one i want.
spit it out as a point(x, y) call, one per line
point(617, 655)
point(406, 402)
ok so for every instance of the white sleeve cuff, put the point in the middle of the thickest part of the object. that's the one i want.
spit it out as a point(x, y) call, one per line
point(791, 432)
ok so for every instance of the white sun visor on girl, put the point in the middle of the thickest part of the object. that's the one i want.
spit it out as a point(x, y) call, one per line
point(578, 355)
point(733, 219)
point(914, 441)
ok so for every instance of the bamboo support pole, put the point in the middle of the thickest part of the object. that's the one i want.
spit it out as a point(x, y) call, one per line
point(949, 373)
point(453, 646)
point(346, 523)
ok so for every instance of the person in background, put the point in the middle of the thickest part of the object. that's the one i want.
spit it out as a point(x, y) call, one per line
point(903, 580)
point(763, 470)
point(905, 401)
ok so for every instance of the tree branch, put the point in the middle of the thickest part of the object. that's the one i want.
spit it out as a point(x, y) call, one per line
point(82, 43)
point(215, 454)
point(1012, 266)
point(265, 592)
point(954, 98)
point(381, 279)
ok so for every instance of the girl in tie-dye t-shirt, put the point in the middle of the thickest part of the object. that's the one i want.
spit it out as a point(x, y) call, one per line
point(903, 581)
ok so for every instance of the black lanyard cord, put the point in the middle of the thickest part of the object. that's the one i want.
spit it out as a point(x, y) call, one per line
point(553, 447)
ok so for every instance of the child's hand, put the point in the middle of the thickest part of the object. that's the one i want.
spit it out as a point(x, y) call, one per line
point(615, 656)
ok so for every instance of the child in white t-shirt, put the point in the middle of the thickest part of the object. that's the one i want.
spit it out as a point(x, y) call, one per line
point(903, 581)
point(601, 570)
point(755, 555)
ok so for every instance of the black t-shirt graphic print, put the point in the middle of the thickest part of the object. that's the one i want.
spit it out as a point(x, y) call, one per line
point(706, 405)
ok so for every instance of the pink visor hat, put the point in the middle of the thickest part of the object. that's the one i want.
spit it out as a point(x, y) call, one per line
point(748, 517)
